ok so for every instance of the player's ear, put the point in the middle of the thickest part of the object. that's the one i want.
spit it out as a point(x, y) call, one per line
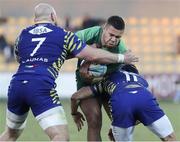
point(53, 18)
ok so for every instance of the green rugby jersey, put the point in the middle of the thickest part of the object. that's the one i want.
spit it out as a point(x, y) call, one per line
point(93, 35)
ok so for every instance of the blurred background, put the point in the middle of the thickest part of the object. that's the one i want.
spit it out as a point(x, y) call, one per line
point(152, 33)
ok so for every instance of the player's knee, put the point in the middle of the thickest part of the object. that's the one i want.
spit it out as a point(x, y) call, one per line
point(58, 133)
point(59, 137)
point(13, 134)
point(170, 137)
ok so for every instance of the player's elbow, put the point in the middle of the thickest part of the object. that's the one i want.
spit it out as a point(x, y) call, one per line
point(74, 97)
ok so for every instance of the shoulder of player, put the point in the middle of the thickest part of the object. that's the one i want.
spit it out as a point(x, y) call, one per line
point(93, 30)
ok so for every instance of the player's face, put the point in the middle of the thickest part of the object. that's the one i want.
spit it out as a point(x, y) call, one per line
point(111, 36)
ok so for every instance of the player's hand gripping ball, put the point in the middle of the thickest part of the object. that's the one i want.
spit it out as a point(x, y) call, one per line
point(92, 73)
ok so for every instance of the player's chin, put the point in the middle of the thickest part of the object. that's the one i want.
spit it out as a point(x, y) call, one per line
point(111, 45)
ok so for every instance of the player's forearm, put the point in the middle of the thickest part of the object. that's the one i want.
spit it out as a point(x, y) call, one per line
point(100, 56)
point(83, 93)
point(74, 106)
point(105, 57)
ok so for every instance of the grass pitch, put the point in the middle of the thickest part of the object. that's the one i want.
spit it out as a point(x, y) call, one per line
point(33, 132)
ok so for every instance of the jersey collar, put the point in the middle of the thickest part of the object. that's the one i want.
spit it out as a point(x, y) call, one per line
point(43, 21)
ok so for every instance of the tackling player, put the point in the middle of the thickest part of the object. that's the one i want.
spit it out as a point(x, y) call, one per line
point(108, 38)
point(130, 101)
point(41, 49)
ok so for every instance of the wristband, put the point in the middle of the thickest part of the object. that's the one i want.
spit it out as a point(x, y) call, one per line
point(120, 58)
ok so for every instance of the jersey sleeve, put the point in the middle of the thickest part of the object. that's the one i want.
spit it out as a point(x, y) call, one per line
point(97, 88)
point(74, 45)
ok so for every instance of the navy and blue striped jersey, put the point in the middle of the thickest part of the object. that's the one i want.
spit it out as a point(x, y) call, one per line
point(117, 81)
point(41, 49)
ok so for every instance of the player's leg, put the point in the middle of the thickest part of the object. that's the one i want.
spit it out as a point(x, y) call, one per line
point(16, 114)
point(92, 111)
point(106, 104)
point(152, 116)
point(123, 116)
point(123, 134)
point(54, 124)
point(169, 138)
point(15, 126)
point(47, 108)
point(163, 129)
point(59, 132)
point(10, 134)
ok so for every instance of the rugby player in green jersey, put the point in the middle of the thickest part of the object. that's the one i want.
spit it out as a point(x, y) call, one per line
point(108, 38)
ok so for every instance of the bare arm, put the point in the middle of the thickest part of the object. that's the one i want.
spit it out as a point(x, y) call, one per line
point(16, 50)
point(76, 97)
point(101, 56)
point(83, 93)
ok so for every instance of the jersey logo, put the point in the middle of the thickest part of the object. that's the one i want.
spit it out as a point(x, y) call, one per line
point(133, 92)
point(40, 30)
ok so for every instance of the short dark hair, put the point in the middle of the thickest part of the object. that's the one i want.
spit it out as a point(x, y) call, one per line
point(117, 22)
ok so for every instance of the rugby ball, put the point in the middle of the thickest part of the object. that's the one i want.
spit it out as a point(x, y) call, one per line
point(92, 72)
point(97, 70)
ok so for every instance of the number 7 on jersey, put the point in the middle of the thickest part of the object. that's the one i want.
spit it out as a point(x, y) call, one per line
point(40, 42)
